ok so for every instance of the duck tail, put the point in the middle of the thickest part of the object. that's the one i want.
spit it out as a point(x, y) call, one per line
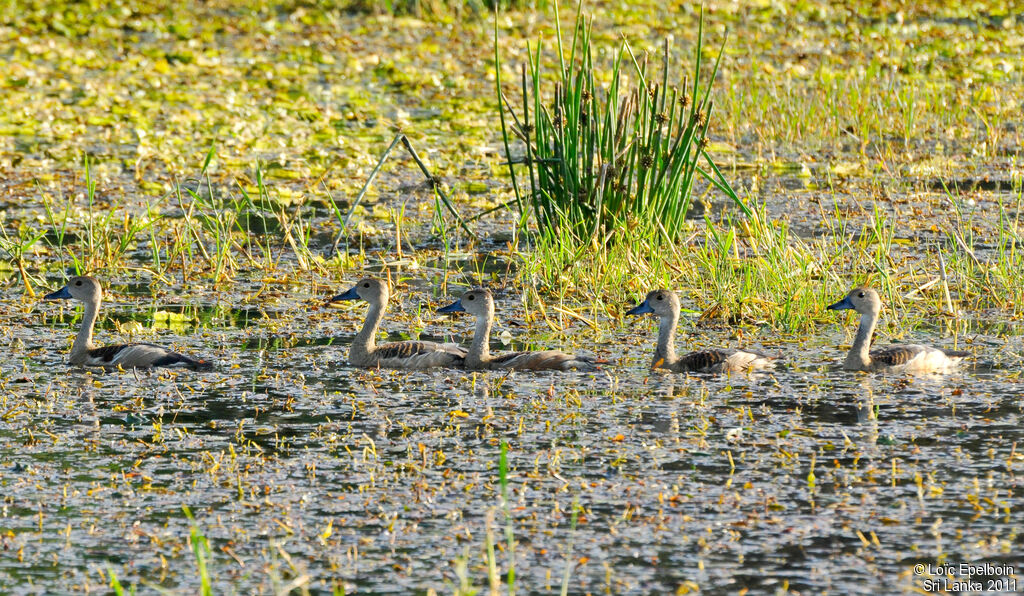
point(201, 365)
point(585, 362)
point(174, 359)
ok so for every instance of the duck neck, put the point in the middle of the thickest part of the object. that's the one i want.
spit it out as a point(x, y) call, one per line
point(859, 356)
point(83, 341)
point(480, 350)
point(366, 340)
point(665, 353)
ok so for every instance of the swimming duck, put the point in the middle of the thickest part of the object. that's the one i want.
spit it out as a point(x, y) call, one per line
point(139, 355)
point(480, 303)
point(897, 358)
point(400, 354)
point(665, 304)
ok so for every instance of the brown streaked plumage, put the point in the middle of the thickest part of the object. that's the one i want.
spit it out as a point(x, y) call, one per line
point(480, 303)
point(138, 355)
point(400, 354)
point(894, 355)
point(665, 304)
point(897, 358)
point(705, 359)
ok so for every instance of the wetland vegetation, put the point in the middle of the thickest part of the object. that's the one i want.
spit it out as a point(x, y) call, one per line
point(204, 161)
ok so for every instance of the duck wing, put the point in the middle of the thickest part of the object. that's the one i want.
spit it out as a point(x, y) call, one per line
point(896, 355)
point(722, 360)
point(407, 349)
point(142, 355)
point(915, 358)
point(418, 354)
point(702, 361)
point(542, 360)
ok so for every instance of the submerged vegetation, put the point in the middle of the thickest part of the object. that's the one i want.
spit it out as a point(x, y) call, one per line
point(221, 166)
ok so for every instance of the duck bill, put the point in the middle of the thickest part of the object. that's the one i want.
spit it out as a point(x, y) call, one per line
point(349, 295)
point(453, 307)
point(61, 294)
point(640, 309)
point(844, 304)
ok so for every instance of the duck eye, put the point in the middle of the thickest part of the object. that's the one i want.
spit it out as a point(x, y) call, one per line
point(78, 283)
point(366, 285)
point(469, 297)
point(860, 294)
point(660, 297)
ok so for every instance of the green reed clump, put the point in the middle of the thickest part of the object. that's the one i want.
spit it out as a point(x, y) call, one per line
point(606, 160)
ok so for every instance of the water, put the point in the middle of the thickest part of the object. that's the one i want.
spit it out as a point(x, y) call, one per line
point(303, 471)
point(296, 465)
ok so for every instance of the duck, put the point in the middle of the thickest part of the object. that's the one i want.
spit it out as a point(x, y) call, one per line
point(896, 358)
point(415, 355)
point(479, 302)
point(89, 292)
point(665, 304)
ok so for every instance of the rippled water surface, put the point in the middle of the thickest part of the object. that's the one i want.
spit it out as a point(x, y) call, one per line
point(303, 473)
point(295, 464)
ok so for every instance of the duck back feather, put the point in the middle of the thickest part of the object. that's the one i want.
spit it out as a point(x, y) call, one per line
point(542, 360)
point(142, 355)
point(411, 355)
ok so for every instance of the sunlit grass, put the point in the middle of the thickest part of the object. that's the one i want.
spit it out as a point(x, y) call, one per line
point(190, 189)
